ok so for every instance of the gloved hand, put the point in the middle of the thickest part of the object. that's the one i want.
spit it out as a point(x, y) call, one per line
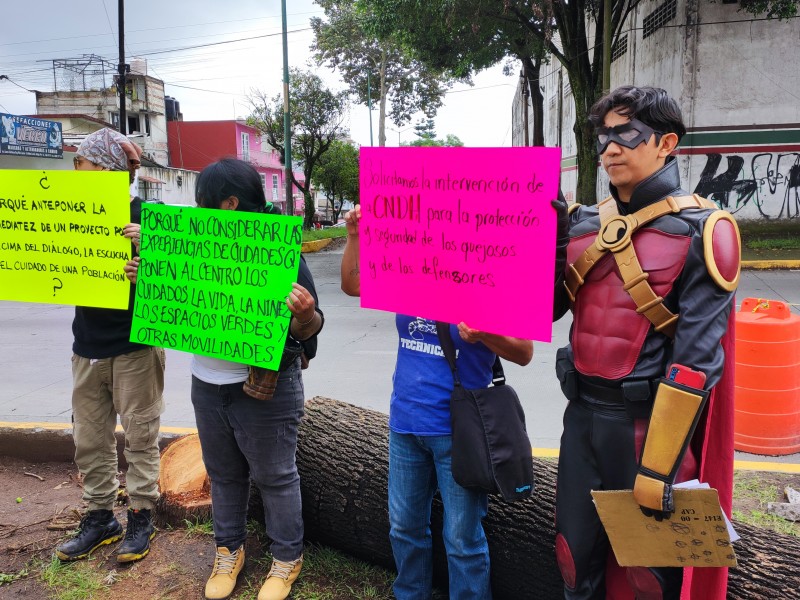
point(654, 497)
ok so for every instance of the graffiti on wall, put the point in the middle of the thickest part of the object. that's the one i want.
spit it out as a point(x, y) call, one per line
point(767, 186)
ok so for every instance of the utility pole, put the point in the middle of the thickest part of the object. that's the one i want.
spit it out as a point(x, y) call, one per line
point(287, 130)
point(525, 92)
point(606, 46)
point(123, 115)
point(369, 105)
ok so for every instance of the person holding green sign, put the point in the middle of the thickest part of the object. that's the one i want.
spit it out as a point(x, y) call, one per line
point(113, 376)
point(247, 417)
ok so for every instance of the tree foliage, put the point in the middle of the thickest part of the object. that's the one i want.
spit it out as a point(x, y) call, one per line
point(317, 119)
point(450, 140)
point(773, 9)
point(337, 175)
point(464, 37)
point(345, 41)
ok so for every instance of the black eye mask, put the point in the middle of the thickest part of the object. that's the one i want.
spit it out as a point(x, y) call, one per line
point(629, 134)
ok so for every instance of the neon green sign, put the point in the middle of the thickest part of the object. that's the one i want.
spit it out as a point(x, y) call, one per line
point(215, 282)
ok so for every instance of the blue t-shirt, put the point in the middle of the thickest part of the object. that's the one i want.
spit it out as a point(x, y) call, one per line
point(422, 380)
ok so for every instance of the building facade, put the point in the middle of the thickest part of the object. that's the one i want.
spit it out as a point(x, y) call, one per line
point(196, 144)
point(144, 105)
point(732, 74)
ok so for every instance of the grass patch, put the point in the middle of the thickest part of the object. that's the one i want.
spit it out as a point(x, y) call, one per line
point(766, 520)
point(199, 528)
point(12, 577)
point(770, 240)
point(748, 489)
point(774, 244)
point(71, 581)
point(329, 575)
point(309, 235)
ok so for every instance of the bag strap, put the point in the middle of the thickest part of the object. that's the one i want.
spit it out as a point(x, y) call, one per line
point(449, 350)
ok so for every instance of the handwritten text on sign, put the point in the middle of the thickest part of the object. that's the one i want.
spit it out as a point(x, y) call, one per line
point(461, 234)
point(61, 237)
point(214, 282)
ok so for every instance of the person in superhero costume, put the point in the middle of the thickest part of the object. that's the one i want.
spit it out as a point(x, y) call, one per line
point(650, 276)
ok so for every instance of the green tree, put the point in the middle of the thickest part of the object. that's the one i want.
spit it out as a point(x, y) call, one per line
point(425, 130)
point(346, 42)
point(317, 119)
point(337, 175)
point(463, 37)
point(450, 140)
point(576, 22)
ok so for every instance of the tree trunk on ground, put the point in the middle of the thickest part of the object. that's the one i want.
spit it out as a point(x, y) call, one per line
point(342, 457)
point(185, 490)
point(343, 462)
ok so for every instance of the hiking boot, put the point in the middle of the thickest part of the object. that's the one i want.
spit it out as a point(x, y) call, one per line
point(97, 528)
point(227, 566)
point(280, 579)
point(138, 534)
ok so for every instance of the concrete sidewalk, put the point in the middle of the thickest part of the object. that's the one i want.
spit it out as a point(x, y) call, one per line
point(354, 364)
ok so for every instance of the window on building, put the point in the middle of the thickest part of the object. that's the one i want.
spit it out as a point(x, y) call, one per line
point(274, 188)
point(263, 182)
point(659, 17)
point(133, 124)
point(620, 48)
point(113, 118)
point(146, 119)
point(245, 146)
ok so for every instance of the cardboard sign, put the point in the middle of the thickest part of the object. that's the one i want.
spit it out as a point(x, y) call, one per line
point(61, 237)
point(695, 535)
point(461, 234)
point(215, 282)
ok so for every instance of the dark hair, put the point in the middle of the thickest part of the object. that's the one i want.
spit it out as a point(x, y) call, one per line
point(230, 177)
point(651, 105)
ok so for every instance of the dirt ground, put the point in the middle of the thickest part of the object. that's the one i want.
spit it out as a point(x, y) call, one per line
point(40, 503)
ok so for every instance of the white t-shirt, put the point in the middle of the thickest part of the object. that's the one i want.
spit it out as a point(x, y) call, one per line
point(217, 371)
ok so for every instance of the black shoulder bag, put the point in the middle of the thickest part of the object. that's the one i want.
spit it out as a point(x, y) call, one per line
point(491, 450)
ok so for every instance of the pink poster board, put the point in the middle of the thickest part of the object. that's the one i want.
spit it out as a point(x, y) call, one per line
point(461, 234)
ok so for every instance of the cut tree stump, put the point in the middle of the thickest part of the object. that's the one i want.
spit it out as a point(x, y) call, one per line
point(342, 457)
point(184, 485)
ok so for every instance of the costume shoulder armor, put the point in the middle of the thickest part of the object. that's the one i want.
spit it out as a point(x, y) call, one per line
point(722, 247)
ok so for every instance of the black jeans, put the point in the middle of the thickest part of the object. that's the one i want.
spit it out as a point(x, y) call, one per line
point(244, 438)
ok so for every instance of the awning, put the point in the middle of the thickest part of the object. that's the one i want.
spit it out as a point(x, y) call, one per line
point(150, 179)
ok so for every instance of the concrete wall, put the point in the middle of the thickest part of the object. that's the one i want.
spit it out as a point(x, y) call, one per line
point(178, 184)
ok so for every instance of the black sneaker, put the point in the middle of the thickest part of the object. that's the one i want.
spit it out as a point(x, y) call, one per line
point(138, 534)
point(97, 528)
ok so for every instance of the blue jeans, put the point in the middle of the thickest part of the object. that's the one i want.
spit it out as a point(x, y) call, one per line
point(417, 466)
point(244, 438)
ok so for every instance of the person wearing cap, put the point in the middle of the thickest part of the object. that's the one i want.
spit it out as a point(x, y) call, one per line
point(113, 377)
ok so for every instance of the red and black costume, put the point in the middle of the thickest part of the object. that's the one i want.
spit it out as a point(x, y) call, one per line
point(613, 372)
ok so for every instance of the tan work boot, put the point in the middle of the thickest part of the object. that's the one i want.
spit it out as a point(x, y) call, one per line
point(280, 579)
point(227, 566)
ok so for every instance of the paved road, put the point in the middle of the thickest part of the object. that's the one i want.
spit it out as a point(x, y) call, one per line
point(354, 364)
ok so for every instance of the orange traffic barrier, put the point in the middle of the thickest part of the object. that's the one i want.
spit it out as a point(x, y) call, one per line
point(767, 378)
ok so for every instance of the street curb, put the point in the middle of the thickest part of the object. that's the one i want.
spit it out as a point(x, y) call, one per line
point(770, 264)
point(52, 442)
point(315, 245)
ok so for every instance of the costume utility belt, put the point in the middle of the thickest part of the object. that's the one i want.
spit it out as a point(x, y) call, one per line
point(261, 383)
point(633, 396)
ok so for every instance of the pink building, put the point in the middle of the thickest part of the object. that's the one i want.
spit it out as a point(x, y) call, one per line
point(196, 144)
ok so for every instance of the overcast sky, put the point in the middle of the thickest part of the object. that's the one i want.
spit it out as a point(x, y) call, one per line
point(211, 82)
